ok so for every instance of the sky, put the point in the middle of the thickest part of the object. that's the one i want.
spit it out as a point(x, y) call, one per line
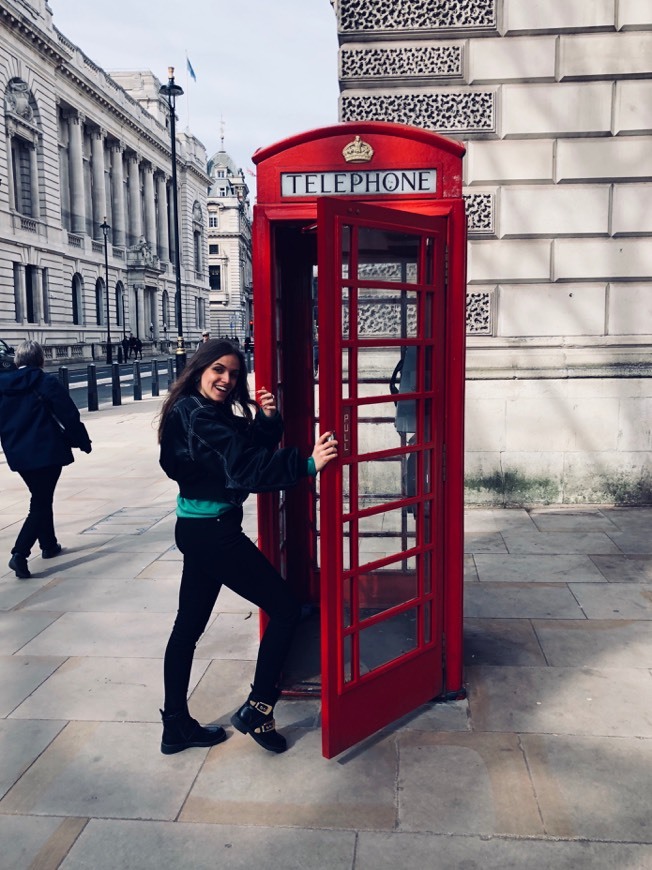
point(265, 69)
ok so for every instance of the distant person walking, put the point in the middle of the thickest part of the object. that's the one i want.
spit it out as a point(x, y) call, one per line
point(39, 423)
point(138, 348)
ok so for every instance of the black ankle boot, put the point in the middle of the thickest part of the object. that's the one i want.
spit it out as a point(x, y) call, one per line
point(18, 563)
point(181, 731)
point(256, 717)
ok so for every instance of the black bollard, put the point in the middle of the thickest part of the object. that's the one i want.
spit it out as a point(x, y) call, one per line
point(120, 357)
point(91, 377)
point(170, 373)
point(63, 378)
point(155, 387)
point(115, 384)
point(138, 386)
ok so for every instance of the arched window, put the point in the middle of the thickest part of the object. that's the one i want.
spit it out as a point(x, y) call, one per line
point(99, 302)
point(77, 289)
point(119, 303)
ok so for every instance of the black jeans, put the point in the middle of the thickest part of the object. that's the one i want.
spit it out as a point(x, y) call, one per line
point(216, 552)
point(39, 524)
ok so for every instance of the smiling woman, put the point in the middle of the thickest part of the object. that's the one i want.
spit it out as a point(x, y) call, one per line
point(219, 445)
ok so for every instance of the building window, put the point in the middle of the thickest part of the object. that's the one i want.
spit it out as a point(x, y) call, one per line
point(197, 250)
point(214, 277)
point(212, 220)
point(200, 315)
point(99, 302)
point(45, 287)
point(119, 298)
point(214, 250)
point(77, 308)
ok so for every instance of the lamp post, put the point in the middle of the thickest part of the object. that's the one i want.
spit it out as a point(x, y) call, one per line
point(172, 91)
point(124, 324)
point(109, 350)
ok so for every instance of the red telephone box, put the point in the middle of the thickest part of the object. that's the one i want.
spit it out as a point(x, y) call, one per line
point(359, 295)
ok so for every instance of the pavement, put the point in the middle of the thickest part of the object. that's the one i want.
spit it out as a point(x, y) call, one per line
point(546, 764)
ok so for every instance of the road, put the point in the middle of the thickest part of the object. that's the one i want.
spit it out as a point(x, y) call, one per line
point(77, 379)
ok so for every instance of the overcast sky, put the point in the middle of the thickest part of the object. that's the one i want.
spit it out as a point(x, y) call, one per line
point(268, 68)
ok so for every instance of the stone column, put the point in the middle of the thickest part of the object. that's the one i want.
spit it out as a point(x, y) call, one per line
point(117, 195)
point(76, 159)
point(135, 214)
point(150, 205)
point(98, 181)
point(138, 327)
point(163, 230)
point(20, 292)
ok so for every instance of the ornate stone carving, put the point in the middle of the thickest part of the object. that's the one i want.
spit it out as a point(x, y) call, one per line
point(444, 112)
point(17, 97)
point(363, 15)
point(431, 61)
point(480, 209)
point(479, 319)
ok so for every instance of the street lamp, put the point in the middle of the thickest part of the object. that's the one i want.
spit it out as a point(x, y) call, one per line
point(109, 351)
point(172, 91)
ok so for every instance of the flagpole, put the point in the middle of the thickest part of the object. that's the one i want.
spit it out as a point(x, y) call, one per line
point(187, 95)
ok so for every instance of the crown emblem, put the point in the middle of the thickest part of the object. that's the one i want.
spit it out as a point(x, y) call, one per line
point(358, 151)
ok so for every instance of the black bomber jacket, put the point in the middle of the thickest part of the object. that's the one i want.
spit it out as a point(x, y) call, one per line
point(215, 456)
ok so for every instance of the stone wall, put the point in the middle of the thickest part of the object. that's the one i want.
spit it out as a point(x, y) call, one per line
point(553, 101)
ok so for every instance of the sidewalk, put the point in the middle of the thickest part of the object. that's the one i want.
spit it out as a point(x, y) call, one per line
point(548, 764)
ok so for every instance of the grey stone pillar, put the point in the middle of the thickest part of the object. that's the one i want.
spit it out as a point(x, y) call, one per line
point(150, 205)
point(34, 185)
point(76, 160)
point(98, 181)
point(163, 230)
point(20, 292)
point(118, 195)
point(135, 213)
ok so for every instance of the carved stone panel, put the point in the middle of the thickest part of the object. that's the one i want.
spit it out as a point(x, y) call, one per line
point(480, 211)
point(445, 112)
point(479, 315)
point(363, 15)
point(414, 61)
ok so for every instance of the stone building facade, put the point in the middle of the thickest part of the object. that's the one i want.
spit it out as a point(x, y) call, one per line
point(229, 249)
point(81, 149)
point(553, 101)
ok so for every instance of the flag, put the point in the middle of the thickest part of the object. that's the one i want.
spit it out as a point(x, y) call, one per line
point(191, 70)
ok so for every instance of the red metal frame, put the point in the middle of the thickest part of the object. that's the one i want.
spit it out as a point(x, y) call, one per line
point(394, 145)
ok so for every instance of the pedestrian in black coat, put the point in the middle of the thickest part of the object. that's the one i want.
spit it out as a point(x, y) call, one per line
point(39, 423)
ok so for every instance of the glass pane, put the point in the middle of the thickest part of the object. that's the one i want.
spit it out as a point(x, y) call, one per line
point(387, 256)
point(346, 602)
point(377, 427)
point(386, 534)
point(346, 251)
point(427, 622)
point(385, 588)
point(391, 369)
point(346, 644)
point(387, 313)
point(387, 640)
point(345, 374)
point(346, 324)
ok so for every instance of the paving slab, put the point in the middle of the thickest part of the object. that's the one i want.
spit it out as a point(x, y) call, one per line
point(133, 635)
point(118, 845)
point(380, 851)
point(501, 642)
point(559, 543)
point(484, 543)
point(231, 635)
point(103, 689)
point(105, 595)
point(465, 783)
point(542, 569)
point(20, 675)
point(625, 569)
point(106, 769)
point(242, 784)
point(609, 793)
point(609, 643)
point(17, 628)
point(520, 601)
point(35, 842)
point(614, 702)
point(20, 744)
point(615, 600)
point(555, 519)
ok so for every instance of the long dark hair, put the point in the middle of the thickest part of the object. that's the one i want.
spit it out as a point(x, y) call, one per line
point(186, 384)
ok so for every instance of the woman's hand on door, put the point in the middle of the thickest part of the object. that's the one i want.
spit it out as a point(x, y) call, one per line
point(266, 401)
point(324, 450)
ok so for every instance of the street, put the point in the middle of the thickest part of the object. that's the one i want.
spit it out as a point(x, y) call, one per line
point(78, 385)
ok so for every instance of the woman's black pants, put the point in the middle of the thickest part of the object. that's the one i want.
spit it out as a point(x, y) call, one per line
point(216, 552)
point(39, 524)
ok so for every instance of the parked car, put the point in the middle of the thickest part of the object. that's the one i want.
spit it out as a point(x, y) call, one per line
point(6, 356)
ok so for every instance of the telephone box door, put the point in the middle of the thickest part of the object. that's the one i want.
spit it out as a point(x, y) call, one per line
point(382, 357)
